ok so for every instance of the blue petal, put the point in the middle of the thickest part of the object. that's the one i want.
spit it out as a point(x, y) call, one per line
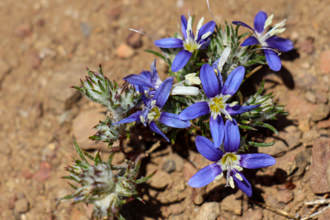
point(232, 136)
point(217, 128)
point(205, 176)
point(180, 60)
point(194, 111)
point(258, 160)
point(238, 109)
point(208, 27)
point(155, 129)
point(242, 24)
point(184, 26)
point(250, 41)
point(146, 74)
point(133, 117)
point(206, 148)
point(280, 43)
point(244, 185)
point(259, 21)
point(233, 81)
point(209, 81)
point(169, 43)
point(163, 92)
point(139, 80)
point(173, 120)
point(219, 75)
point(204, 43)
point(273, 60)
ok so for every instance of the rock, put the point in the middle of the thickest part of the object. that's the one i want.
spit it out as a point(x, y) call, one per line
point(208, 211)
point(320, 166)
point(22, 206)
point(43, 173)
point(83, 127)
point(304, 124)
point(284, 196)
point(232, 204)
point(306, 80)
point(177, 160)
point(323, 124)
point(310, 97)
point(134, 40)
point(301, 161)
point(310, 136)
point(176, 209)
point(320, 113)
point(188, 171)
point(296, 105)
point(291, 163)
point(197, 195)
point(124, 51)
point(160, 180)
point(324, 215)
point(307, 45)
point(325, 62)
point(23, 30)
point(253, 214)
point(85, 29)
point(169, 166)
point(278, 149)
point(60, 89)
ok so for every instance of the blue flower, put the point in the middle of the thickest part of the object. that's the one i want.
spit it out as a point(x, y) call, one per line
point(190, 42)
point(227, 160)
point(146, 80)
point(154, 95)
point(267, 39)
point(218, 94)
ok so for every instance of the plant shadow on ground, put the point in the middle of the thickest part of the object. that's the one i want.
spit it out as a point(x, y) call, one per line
point(150, 206)
point(218, 193)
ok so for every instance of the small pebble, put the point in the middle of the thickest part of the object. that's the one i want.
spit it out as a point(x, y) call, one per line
point(169, 166)
point(22, 206)
point(124, 51)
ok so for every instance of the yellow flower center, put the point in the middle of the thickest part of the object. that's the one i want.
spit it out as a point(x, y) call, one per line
point(229, 159)
point(154, 114)
point(191, 46)
point(217, 104)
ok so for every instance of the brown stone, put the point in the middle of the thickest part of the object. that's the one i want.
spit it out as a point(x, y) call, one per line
point(43, 173)
point(321, 112)
point(232, 204)
point(208, 211)
point(284, 196)
point(134, 40)
point(253, 214)
point(22, 206)
point(307, 45)
point(188, 171)
point(124, 51)
point(324, 215)
point(320, 165)
point(160, 179)
point(83, 128)
point(23, 30)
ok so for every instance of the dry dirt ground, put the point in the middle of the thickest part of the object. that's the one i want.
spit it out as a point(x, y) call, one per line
point(45, 47)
